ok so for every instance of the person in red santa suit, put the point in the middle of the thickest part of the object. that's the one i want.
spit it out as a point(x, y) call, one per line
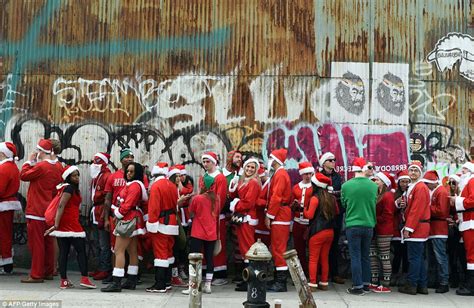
point(380, 245)
point(321, 211)
point(163, 225)
point(464, 205)
point(100, 173)
point(278, 217)
point(244, 210)
point(302, 193)
point(130, 202)
point(438, 266)
point(67, 228)
point(44, 174)
point(9, 186)
point(416, 231)
point(219, 187)
point(261, 231)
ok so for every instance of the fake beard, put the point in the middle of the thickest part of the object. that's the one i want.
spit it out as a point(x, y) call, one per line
point(94, 170)
point(464, 178)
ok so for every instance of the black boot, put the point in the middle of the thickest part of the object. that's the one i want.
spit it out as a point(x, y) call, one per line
point(130, 283)
point(160, 285)
point(280, 282)
point(8, 268)
point(168, 278)
point(115, 286)
point(468, 289)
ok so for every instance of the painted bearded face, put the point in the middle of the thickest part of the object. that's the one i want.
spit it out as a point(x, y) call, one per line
point(391, 94)
point(350, 93)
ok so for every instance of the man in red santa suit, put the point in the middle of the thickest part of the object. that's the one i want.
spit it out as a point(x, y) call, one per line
point(279, 216)
point(44, 174)
point(465, 209)
point(302, 193)
point(219, 187)
point(261, 231)
point(416, 231)
point(9, 186)
point(100, 173)
point(163, 225)
point(438, 266)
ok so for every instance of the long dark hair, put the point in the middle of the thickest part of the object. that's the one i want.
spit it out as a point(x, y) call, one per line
point(382, 192)
point(139, 171)
point(68, 181)
point(327, 202)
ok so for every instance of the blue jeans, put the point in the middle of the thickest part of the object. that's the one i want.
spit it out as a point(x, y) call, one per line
point(416, 264)
point(358, 239)
point(104, 253)
point(438, 260)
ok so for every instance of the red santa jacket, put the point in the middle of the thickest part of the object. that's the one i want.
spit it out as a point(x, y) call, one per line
point(43, 177)
point(261, 208)
point(9, 185)
point(439, 212)
point(184, 209)
point(302, 193)
point(98, 196)
point(69, 225)
point(130, 201)
point(417, 212)
point(465, 206)
point(204, 225)
point(219, 188)
point(162, 207)
point(279, 198)
point(248, 194)
point(385, 210)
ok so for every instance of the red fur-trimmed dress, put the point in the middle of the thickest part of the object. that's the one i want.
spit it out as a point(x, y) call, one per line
point(131, 198)
point(69, 225)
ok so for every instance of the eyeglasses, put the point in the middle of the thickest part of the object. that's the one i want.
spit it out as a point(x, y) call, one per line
point(331, 160)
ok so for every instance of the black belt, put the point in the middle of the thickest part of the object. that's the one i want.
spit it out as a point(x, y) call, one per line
point(466, 211)
point(166, 214)
point(424, 220)
point(437, 219)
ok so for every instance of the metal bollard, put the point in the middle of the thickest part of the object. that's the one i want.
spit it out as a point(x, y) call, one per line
point(255, 275)
point(299, 279)
point(195, 280)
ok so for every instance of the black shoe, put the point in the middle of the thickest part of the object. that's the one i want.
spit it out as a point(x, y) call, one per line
point(421, 290)
point(407, 289)
point(464, 291)
point(156, 289)
point(115, 286)
point(130, 283)
point(241, 287)
point(356, 291)
point(280, 283)
point(108, 280)
point(160, 285)
point(8, 268)
point(442, 288)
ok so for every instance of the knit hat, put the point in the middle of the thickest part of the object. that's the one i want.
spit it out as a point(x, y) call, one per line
point(359, 164)
point(279, 155)
point(324, 157)
point(252, 160)
point(68, 170)
point(431, 177)
point(456, 177)
point(124, 153)
point(182, 169)
point(9, 149)
point(469, 165)
point(173, 170)
point(305, 167)
point(322, 181)
point(160, 168)
point(45, 145)
point(416, 164)
point(211, 156)
point(386, 178)
point(402, 175)
point(105, 157)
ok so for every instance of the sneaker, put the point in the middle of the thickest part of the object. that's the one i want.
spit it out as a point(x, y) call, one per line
point(421, 290)
point(381, 289)
point(323, 286)
point(186, 292)
point(372, 287)
point(220, 282)
point(207, 287)
point(355, 291)
point(86, 283)
point(156, 289)
point(65, 284)
point(366, 288)
point(178, 282)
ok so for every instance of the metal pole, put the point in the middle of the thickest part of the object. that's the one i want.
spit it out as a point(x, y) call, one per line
point(195, 280)
point(299, 279)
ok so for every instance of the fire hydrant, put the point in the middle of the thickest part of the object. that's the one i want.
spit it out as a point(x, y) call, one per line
point(255, 275)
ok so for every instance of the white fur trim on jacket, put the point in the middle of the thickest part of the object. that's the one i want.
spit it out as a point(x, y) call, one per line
point(68, 234)
point(233, 203)
point(155, 227)
point(459, 202)
point(13, 205)
point(35, 217)
point(118, 214)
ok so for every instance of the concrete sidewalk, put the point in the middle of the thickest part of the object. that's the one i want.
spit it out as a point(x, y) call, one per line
point(225, 296)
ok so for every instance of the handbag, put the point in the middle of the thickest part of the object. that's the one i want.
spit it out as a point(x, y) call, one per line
point(237, 219)
point(125, 228)
point(218, 243)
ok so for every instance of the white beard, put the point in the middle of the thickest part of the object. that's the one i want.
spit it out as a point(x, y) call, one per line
point(94, 170)
point(463, 180)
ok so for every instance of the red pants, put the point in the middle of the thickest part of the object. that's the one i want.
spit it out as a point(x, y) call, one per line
point(239, 255)
point(245, 237)
point(468, 238)
point(299, 242)
point(263, 236)
point(319, 246)
point(162, 249)
point(220, 261)
point(6, 237)
point(41, 248)
point(279, 238)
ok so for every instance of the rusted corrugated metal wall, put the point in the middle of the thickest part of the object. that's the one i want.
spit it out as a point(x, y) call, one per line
point(174, 78)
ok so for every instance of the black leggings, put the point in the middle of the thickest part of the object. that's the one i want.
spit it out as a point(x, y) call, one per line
point(79, 244)
point(196, 245)
point(400, 257)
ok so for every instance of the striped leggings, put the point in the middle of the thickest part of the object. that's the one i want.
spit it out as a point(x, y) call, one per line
point(380, 260)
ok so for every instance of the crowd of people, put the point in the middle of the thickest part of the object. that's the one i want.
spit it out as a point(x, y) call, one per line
point(396, 225)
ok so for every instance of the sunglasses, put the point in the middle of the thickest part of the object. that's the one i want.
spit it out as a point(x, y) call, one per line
point(331, 160)
point(452, 183)
point(370, 167)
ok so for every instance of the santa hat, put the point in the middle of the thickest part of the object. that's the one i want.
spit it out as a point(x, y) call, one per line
point(305, 167)
point(386, 178)
point(431, 177)
point(359, 164)
point(9, 149)
point(416, 164)
point(252, 160)
point(402, 175)
point(279, 155)
point(322, 181)
point(182, 169)
point(324, 157)
point(68, 170)
point(456, 177)
point(211, 156)
point(173, 170)
point(45, 145)
point(261, 171)
point(159, 168)
point(105, 157)
point(469, 166)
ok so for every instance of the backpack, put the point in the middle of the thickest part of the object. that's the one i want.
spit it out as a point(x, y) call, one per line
point(50, 214)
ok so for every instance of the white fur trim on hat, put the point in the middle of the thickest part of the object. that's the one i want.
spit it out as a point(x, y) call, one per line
point(326, 156)
point(5, 150)
point(69, 171)
point(210, 158)
point(102, 156)
point(43, 150)
point(276, 159)
point(318, 183)
point(429, 181)
point(406, 177)
point(252, 160)
point(469, 165)
point(384, 179)
point(455, 177)
point(173, 172)
point(306, 170)
point(416, 166)
point(183, 172)
point(356, 169)
point(157, 170)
